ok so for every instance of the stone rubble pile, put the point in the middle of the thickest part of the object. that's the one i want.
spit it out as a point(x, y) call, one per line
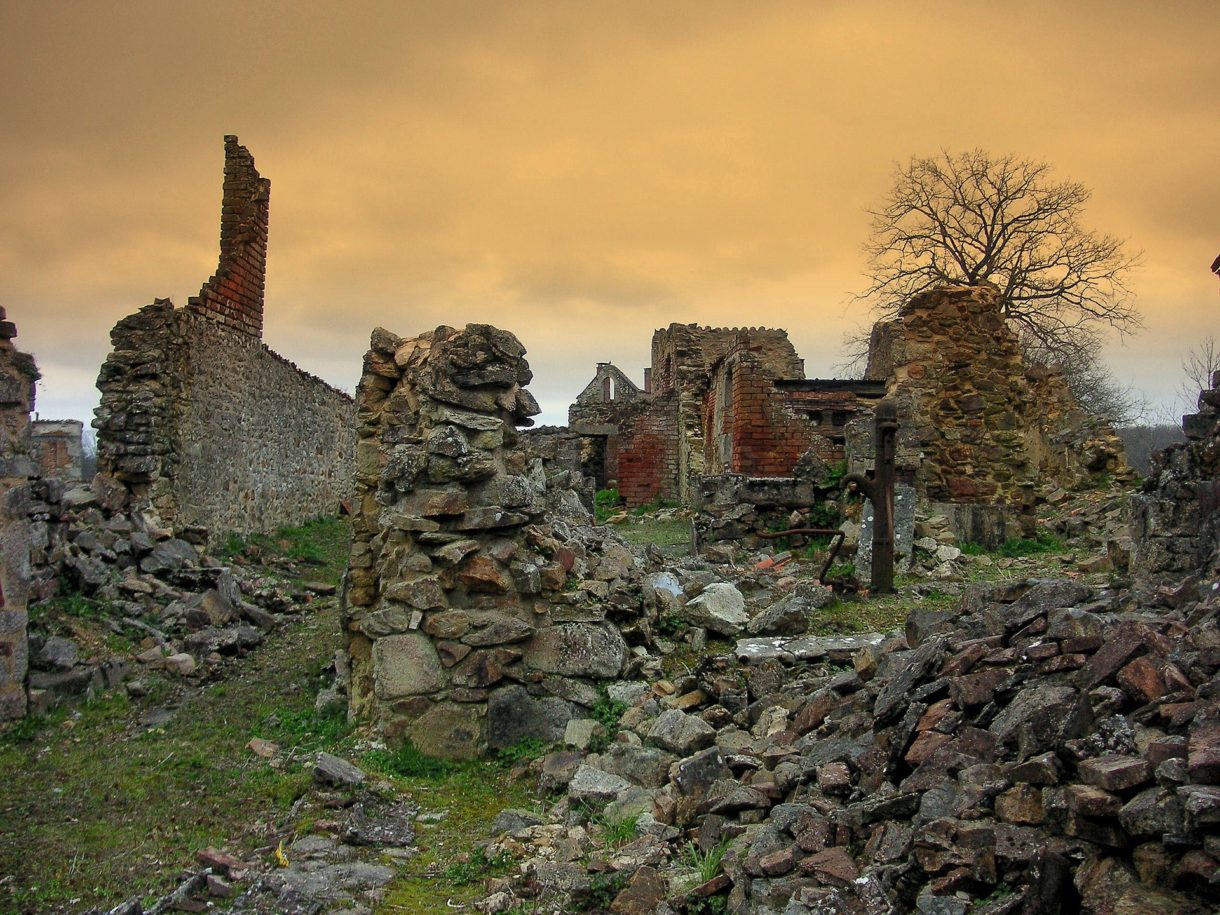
point(1046, 748)
point(186, 611)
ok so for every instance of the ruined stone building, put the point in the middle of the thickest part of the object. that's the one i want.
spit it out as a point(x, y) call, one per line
point(17, 466)
point(714, 401)
point(722, 406)
point(57, 444)
point(199, 419)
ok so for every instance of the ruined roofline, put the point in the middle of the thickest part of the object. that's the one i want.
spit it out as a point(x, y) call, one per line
point(720, 330)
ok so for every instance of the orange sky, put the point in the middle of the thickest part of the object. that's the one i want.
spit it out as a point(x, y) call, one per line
point(578, 173)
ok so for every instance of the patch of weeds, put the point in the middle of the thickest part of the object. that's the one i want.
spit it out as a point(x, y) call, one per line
point(970, 548)
point(671, 624)
point(31, 726)
point(841, 571)
point(232, 547)
point(707, 863)
point(838, 470)
point(72, 604)
point(825, 514)
point(601, 892)
point(322, 543)
point(605, 503)
point(477, 866)
point(525, 749)
point(306, 729)
point(408, 762)
point(607, 712)
point(1023, 546)
point(713, 905)
point(616, 832)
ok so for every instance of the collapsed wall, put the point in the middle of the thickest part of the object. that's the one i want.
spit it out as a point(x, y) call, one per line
point(1176, 519)
point(200, 420)
point(462, 629)
point(17, 376)
point(988, 429)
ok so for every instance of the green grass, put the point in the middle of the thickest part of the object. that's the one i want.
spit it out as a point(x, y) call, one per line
point(1021, 546)
point(664, 533)
point(1016, 547)
point(321, 545)
point(616, 832)
point(98, 808)
point(525, 749)
point(447, 872)
point(606, 503)
point(707, 863)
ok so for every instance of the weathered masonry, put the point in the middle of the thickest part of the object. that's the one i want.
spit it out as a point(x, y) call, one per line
point(17, 376)
point(57, 445)
point(199, 419)
point(471, 620)
point(1176, 519)
point(715, 400)
point(980, 431)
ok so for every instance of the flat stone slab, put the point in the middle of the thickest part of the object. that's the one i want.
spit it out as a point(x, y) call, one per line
point(804, 648)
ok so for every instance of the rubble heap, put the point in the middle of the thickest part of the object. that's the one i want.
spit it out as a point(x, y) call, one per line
point(473, 619)
point(1176, 519)
point(1043, 749)
point(185, 611)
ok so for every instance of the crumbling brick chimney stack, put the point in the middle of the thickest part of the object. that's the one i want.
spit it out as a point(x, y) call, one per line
point(234, 294)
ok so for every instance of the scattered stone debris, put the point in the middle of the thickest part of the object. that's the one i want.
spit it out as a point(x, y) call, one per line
point(184, 611)
point(1046, 742)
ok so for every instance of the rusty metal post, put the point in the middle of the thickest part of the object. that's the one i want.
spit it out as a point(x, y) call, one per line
point(878, 488)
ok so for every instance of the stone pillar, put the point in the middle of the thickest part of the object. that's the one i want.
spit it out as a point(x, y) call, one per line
point(451, 612)
point(234, 294)
point(17, 376)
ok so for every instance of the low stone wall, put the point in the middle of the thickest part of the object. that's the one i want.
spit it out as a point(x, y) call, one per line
point(470, 620)
point(17, 376)
point(1176, 519)
point(211, 428)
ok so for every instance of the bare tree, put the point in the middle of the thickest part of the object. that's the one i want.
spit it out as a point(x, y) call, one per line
point(973, 218)
point(1198, 365)
point(1091, 382)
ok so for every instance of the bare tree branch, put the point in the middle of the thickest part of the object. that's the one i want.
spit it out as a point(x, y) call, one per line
point(974, 217)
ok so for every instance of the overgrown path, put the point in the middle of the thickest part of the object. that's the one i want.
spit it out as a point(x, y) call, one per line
point(114, 798)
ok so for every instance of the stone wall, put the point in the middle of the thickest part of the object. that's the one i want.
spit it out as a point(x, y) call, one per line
point(1176, 519)
point(989, 429)
point(213, 429)
point(461, 626)
point(17, 376)
point(202, 422)
point(57, 445)
point(234, 294)
point(684, 359)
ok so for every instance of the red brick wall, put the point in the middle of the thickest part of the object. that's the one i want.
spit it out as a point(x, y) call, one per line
point(234, 294)
point(648, 456)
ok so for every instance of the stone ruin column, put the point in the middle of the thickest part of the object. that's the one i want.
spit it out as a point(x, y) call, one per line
point(452, 640)
point(17, 376)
